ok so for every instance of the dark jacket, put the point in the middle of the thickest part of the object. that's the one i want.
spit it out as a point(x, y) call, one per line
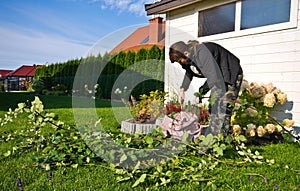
point(213, 62)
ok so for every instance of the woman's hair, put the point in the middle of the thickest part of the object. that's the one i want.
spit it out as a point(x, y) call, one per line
point(177, 50)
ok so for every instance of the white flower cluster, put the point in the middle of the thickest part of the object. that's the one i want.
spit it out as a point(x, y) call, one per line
point(266, 93)
point(118, 91)
point(260, 131)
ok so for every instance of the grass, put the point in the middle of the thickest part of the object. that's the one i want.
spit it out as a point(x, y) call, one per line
point(285, 172)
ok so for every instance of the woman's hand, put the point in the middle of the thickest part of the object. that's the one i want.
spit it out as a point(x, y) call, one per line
point(181, 95)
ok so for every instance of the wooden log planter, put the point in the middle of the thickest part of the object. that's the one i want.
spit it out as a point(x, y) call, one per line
point(131, 127)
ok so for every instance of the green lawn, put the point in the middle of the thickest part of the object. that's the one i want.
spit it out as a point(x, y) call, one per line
point(285, 172)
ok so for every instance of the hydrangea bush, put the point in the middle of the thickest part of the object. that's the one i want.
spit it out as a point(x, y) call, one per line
point(251, 113)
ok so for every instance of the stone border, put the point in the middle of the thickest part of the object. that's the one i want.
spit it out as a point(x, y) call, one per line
point(130, 127)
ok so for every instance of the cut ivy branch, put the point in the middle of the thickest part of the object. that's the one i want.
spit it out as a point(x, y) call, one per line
point(52, 123)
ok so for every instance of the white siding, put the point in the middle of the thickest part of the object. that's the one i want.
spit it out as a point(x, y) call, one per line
point(265, 57)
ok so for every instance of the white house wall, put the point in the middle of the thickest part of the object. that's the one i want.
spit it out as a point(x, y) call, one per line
point(265, 57)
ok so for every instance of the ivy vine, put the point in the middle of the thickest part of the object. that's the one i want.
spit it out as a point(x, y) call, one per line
point(66, 146)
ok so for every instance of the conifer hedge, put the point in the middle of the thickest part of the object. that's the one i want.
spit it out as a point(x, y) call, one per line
point(111, 66)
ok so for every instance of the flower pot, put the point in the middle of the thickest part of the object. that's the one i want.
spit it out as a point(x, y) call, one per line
point(131, 127)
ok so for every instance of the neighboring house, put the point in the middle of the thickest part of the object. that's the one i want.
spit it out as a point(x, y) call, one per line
point(3, 74)
point(144, 37)
point(264, 34)
point(14, 79)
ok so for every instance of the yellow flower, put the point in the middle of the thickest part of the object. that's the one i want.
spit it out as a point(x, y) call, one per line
point(270, 128)
point(269, 100)
point(236, 129)
point(260, 131)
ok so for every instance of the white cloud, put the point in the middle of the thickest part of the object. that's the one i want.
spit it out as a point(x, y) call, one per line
point(132, 6)
point(17, 48)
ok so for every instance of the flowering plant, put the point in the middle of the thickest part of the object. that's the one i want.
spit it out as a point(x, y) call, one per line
point(201, 110)
point(149, 107)
point(251, 113)
point(27, 84)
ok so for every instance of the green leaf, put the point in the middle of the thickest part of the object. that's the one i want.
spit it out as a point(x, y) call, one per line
point(241, 153)
point(159, 169)
point(140, 180)
point(121, 179)
point(185, 138)
point(242, 138)
point(169, 173)
point(74, 165)
point(123, 158)
point(21, 105)
point(208, 140)
point(219, 151)
point(47, 167)
point(149, 140)
point(8, 153)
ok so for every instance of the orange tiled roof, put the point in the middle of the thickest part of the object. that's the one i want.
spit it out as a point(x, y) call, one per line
point(141, 38)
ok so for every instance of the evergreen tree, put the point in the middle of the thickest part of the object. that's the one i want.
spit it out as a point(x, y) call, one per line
point(129, 59)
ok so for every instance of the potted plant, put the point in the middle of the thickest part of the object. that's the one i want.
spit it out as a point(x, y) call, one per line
point(145, 112)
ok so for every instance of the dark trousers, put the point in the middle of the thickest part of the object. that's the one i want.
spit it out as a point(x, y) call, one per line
point(221, 110)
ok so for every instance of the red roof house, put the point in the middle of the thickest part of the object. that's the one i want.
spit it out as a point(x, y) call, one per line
point(4, 73)
point(14, 79)
point(144, 37)
point(24, 71)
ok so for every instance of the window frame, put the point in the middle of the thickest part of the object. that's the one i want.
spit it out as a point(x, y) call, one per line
point(293, 23)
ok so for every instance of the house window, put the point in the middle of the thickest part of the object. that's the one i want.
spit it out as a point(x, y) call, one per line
point(145, 40)
point(217, 20)
point(257, 13)
point(244, 14)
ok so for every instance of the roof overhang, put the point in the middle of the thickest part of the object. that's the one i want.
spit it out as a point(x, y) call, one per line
point(164, 6)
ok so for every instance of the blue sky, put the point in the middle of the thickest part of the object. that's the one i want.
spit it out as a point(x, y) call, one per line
point(50, 31)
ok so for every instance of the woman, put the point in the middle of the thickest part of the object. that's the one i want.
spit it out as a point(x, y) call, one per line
point(222, 70)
